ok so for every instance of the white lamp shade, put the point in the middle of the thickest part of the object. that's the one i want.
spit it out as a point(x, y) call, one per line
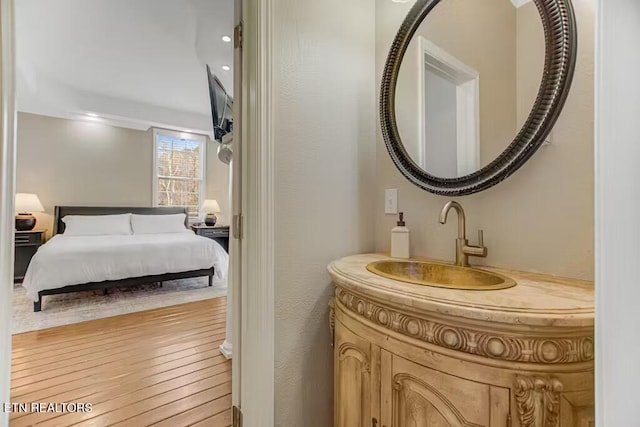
point(28, 203)
point(210, 206)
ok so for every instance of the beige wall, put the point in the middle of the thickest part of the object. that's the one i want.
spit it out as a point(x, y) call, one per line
point(68, 162)
point(324, 108)
point(541, 218)
point(530, 57)
point(485, 35)
point(218, 183)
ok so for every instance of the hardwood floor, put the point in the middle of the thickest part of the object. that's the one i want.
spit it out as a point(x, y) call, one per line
point(160, 367)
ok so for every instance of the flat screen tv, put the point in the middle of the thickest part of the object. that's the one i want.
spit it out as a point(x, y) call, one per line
point(221, 107)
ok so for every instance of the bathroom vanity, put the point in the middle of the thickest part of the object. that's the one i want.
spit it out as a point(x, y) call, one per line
point(410, 355)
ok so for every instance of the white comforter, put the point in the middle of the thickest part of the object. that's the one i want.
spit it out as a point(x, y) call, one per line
point(74, 260)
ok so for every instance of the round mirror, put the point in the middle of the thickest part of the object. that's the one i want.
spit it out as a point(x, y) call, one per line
point(472, 88)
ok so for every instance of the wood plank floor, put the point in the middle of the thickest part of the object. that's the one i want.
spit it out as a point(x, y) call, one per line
point(160, 367)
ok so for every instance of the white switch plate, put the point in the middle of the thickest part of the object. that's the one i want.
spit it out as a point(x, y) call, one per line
point(391, 201)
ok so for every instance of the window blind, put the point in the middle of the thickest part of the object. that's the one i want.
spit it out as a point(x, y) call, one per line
point(179, 174)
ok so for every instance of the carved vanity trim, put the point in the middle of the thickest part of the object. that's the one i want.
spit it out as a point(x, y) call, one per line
point(473, 341)
point(538, 400)
point(332, 320)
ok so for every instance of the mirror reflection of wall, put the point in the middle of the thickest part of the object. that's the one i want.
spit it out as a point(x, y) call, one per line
point(467, 83)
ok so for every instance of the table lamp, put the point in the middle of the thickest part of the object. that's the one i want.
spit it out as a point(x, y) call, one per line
point(26, 203)
point(211, 208)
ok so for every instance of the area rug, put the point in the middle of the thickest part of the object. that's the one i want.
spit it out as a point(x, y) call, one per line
point(65, 309)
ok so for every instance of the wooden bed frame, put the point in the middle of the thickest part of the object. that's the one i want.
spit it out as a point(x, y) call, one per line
point(58, 228)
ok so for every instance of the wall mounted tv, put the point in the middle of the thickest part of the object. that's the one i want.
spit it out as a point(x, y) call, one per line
point(221, 107)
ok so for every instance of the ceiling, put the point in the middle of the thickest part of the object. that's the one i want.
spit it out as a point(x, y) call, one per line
point(133, 63)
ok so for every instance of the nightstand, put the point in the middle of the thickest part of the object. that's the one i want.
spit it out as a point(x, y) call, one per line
point(26, 244)
point(219, 234)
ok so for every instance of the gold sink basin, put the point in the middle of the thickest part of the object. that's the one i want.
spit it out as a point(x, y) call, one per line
point(429, 273)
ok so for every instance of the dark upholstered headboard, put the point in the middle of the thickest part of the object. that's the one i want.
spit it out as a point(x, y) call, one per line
point(62, 211)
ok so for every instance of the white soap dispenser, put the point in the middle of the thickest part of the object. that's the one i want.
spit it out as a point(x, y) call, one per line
point(400, 240)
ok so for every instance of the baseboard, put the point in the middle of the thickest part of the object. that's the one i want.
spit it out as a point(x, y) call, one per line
point(226, 349)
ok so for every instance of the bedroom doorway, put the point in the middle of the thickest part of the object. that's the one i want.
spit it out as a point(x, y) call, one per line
point(192, 333)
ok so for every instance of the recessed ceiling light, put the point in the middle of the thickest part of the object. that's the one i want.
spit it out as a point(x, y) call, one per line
point(226, 67)
point(226, 39)
point(92, 115)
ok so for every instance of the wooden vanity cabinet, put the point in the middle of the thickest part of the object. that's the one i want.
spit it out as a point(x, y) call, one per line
point(423, 357)
point(425, 397)
point(352, 381)
point(376, 388)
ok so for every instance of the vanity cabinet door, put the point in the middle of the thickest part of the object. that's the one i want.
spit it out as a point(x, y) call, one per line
point(417, 396)
point(353, 380)
point(577, 409)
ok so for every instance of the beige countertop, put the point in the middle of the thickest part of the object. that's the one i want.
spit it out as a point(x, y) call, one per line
point(536, 300)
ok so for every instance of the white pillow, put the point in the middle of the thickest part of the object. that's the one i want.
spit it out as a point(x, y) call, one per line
point(158, 224)
point(97, 225)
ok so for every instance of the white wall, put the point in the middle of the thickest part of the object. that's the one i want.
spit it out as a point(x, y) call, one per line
point(324, 113)
point(617, 214)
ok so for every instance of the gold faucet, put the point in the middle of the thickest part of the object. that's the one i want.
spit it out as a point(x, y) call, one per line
point(463, 249)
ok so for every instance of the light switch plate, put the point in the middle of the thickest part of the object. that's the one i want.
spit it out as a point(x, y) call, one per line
point(391, 201)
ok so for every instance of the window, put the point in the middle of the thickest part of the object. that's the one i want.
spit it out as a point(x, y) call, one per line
point(179, 170)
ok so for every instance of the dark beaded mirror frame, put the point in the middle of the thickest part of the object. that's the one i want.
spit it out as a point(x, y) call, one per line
point(560, 34)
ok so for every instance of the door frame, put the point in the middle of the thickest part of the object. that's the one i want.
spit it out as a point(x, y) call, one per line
point(617, 208)
point(467, 81)
point(7, 196)
point(257, 289)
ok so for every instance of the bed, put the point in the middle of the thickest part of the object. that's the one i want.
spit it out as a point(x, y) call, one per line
point(100, 262)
